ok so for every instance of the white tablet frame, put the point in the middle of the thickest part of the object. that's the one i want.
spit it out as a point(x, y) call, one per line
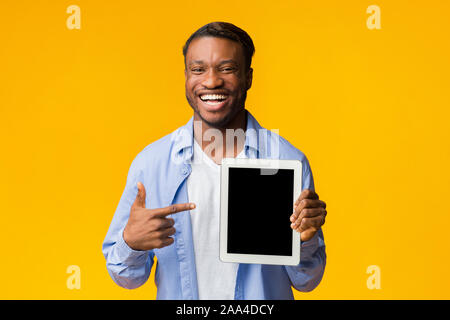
point(296, 165)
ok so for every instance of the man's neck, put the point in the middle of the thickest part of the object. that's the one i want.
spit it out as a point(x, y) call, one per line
point(224, 142)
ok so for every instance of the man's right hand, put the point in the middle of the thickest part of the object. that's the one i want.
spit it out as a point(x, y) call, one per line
point(148, 229)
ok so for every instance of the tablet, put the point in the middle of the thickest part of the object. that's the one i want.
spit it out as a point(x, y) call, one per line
point(257, 199)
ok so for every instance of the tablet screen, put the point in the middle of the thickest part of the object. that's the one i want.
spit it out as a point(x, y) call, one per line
point(259, 208)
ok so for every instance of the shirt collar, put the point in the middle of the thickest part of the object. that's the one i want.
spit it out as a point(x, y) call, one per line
point(184, 137)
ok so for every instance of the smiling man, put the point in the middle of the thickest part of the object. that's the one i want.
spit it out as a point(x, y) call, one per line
point(169, 209)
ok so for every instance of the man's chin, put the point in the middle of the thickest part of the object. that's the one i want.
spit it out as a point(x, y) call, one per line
point(215, 120)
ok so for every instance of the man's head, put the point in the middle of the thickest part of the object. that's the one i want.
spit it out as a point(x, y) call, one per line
point(218, 72)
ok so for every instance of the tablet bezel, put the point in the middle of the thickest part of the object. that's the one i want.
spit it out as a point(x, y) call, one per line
point(296, 165)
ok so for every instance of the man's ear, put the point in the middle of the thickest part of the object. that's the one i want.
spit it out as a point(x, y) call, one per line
point(185, 74)
point(249, 78)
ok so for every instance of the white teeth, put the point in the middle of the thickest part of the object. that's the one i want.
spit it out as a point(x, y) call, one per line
point(213, 97)
point(213, 103)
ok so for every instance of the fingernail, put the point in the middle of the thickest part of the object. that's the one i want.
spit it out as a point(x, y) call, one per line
point(192, 206)
point(292, 218)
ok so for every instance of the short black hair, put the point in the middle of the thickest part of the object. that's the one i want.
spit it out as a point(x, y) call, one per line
point(225, 30)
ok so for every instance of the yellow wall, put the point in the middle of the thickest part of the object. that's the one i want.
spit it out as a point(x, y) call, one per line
point(369, 108)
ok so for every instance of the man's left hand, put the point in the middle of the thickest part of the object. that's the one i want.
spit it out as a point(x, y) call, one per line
point(309, 214)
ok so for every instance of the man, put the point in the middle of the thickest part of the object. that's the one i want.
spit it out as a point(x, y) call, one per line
point(167, 179)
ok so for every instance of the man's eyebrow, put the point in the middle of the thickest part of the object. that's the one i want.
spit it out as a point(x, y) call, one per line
point(221, 62)
point(228, 61)
point(196, 62)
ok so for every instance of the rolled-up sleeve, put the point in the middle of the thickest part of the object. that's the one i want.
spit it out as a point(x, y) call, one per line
point(307, 275)
point(127, 267)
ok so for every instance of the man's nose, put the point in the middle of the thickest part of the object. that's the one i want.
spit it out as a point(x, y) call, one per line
point(212, 79)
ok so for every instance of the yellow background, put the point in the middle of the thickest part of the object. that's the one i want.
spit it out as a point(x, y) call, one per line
point(369, 108)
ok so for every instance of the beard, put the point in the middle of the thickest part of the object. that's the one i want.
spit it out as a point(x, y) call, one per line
point(222, 123)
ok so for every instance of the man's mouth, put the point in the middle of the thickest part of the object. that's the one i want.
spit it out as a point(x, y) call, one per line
point(214, 99)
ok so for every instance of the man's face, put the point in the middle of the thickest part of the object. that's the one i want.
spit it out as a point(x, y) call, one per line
point(216, 79)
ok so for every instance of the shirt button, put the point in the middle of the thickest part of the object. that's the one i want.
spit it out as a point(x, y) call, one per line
point(184, 171)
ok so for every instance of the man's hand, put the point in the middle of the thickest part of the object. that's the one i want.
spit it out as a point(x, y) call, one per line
point(309, 214)
point(148, 229)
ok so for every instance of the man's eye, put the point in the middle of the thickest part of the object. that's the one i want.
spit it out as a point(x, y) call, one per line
point(228, 69)
point(197, 70)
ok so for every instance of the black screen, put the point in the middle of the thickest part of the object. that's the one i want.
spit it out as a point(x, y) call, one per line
point(259, 208)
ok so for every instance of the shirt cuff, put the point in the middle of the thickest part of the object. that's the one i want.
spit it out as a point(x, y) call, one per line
point(129, 255)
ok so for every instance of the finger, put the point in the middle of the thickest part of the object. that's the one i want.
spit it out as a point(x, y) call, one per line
point(162, 212)
point(308, 194)
point(309, 213)
point(308, 223)
point(161, 224)
point(163, 234)
point(167, 223)
point(306, 203)
point(139, 202)
point(166, 242)
point(300, 213)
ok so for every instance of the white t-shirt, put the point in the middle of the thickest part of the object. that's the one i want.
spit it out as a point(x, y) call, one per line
point(216, 279)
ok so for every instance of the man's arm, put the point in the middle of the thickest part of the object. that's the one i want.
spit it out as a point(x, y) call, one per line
point(127, 267)
point(309, 216)
point(135, 231)
point(307, 275)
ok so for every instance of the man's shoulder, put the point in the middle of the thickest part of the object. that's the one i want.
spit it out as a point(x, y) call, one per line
point(288, 152)
point(275, 145)
point(157, 151)
point(293, 151)
point(286, 149)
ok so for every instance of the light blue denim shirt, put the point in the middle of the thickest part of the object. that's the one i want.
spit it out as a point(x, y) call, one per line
point(163, 168)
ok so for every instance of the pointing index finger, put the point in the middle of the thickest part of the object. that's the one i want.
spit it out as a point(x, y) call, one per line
point(174, 208)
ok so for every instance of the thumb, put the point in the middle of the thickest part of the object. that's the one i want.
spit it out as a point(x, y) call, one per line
point(139, 202)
